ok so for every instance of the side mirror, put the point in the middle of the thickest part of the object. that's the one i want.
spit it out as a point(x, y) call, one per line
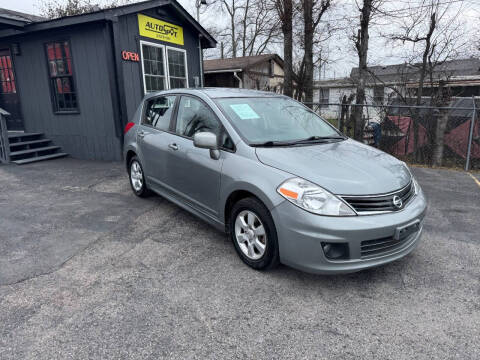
point(207, 140)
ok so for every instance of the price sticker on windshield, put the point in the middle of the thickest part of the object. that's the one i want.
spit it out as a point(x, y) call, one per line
point(244, 111)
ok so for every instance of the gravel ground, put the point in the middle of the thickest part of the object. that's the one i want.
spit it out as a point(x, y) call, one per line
point(89, 271)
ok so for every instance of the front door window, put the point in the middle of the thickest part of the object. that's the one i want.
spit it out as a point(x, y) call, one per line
point(7, 78)
point(9, 97)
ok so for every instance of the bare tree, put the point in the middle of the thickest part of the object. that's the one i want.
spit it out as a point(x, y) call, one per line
point(313, 11)
point(443, 100)
point(361, 40)
point(433, 33)
point(285, 14)
point(232, 8)
point(52, 9)
point(252, 28)
point(428, 47)
point(260, 27)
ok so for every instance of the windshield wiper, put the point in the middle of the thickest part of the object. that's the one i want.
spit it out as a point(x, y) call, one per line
point(271, 143)
point(319, 139)
point(310, 140)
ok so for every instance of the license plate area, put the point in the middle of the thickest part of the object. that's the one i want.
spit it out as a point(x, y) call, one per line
point(405, 231)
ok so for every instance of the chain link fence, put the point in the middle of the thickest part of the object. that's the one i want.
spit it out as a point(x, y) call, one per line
point(430, 135)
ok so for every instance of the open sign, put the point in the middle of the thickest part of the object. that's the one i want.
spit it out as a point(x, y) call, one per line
point(130, 56)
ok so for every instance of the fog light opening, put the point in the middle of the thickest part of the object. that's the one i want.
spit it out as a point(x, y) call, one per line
point(335, 251)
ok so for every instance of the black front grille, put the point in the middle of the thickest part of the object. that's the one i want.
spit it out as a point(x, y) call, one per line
point(379, 246)
point(380, 203)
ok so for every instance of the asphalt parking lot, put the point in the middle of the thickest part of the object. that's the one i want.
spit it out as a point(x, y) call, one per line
point(89, 271)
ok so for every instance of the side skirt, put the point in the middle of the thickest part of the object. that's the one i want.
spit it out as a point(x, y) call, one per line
point(219, 225)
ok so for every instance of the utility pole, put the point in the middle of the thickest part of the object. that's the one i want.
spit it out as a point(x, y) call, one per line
point(199, 3)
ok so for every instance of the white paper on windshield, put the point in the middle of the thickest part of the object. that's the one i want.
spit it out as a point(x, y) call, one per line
point(244, 111)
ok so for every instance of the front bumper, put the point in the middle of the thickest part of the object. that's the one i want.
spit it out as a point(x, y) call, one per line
point(301, 233)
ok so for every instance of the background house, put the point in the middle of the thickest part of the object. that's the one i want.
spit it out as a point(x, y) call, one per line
point(462, 77)
point(261, 72)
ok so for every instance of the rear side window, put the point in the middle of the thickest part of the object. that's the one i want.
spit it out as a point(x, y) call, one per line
point(194, 116)
point(158, 112)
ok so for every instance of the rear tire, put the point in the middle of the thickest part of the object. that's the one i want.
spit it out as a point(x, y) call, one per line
point(137, 178)
point(252, 231)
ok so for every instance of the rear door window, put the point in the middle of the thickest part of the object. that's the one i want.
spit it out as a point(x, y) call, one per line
point(158, 112)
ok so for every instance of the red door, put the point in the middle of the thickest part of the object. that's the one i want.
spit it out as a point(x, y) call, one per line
point(9, 99)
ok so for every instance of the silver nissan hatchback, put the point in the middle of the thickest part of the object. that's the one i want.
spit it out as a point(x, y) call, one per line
point(285, 185)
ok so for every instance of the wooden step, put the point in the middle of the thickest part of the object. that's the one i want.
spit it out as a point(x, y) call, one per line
point(31, 142)
point(29, 151)
point(39, 158)
point(20, 135)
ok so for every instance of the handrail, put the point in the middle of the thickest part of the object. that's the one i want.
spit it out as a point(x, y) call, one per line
point(4, 144)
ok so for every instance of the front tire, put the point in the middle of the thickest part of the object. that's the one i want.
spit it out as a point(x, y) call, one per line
point(137, 178)
point(253, 234)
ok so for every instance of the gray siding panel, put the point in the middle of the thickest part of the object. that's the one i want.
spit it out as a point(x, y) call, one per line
point(94, 124)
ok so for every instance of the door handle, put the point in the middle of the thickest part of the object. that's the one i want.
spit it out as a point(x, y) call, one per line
point(173, 146)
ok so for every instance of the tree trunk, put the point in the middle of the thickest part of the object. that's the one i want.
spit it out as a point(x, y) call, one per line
point(287, 47)
point(234, 35)
point(308, 39)
point(439, 138)
point(244, 26)
point(421, 82)
point(343, 112)
point(361, 45)
point(441, 124)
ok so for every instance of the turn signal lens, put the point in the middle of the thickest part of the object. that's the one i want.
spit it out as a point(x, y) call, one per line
point(313, 198)
point(288, 193)
point(128, 127)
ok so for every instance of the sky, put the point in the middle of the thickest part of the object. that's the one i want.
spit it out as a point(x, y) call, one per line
point(341, 55)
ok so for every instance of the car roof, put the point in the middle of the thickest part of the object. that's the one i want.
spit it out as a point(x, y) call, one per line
point(216, 93)
point(235, 92)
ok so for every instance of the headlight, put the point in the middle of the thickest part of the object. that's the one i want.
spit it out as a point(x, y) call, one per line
point(416, 187)
point(313, 198)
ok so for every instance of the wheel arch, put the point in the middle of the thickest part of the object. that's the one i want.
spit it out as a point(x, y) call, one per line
point(128, 157)
point(243, 192)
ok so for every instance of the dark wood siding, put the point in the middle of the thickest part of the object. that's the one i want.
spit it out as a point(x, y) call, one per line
point(90, 134)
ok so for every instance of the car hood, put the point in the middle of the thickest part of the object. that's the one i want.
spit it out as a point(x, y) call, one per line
point(345, 167)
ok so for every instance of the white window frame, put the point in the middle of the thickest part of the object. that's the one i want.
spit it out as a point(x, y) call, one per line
point(166, 71)
point(186, 63)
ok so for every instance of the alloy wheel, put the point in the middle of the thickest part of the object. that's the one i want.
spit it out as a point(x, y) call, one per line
point(136, 176)
point(250, 234)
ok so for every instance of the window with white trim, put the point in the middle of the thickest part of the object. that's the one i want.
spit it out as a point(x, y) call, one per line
point(324, 97)
point(177, 68)
point(163, 67)
point(154, 74)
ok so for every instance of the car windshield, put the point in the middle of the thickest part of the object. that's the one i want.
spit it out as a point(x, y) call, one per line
point(270, 120)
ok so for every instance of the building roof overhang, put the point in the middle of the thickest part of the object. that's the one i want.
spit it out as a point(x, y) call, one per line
point(111, 15)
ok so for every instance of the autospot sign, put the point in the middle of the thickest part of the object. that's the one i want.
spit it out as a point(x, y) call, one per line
point(160, 30)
